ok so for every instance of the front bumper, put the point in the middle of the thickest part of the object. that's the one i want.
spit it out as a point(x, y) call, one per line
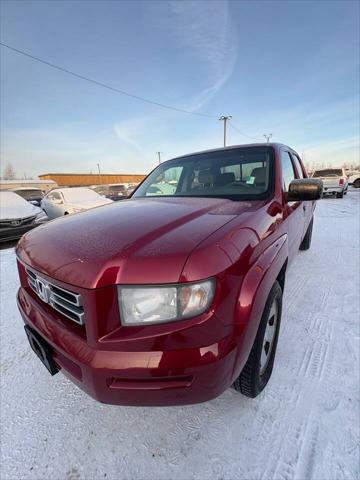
point(14, 233)
point(148, 378)
point(331, 190)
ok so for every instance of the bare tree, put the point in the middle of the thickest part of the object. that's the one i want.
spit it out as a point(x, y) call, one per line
point(9, 172)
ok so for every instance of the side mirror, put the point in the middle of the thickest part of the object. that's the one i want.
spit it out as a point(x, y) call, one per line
point(305, 189)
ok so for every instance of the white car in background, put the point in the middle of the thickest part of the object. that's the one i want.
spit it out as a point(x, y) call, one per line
point(354, 179)
point(335, 181)
point(17, 216)
point(65, 201)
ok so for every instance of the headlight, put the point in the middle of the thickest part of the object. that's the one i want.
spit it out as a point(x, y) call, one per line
point(41, 217)
point(146, 305)
point(76, 210)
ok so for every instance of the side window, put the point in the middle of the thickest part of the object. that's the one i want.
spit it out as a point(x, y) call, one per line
point(288, 173)
point(297, 165)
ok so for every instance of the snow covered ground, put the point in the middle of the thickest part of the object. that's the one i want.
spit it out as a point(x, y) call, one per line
point(304, 425)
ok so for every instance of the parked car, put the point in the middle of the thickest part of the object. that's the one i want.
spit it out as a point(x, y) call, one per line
point(335, 181)
point(131, 187)
point(65, 201)
point(354, 179)
point(33, 195)
point(114, 191)
point(163, 300)
point(17, 216)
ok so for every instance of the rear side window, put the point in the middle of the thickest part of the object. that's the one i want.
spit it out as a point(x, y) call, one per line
point(329, 172)
point(297, 165)
point(288, 173)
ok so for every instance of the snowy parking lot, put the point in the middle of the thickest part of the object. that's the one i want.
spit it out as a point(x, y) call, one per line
point(304, 425)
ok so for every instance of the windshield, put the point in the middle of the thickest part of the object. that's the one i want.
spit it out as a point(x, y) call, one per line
point(117, 188)
point(29, 194)
point(11, 199)
point(238, 174)
point(80, 194)
point(330, 172)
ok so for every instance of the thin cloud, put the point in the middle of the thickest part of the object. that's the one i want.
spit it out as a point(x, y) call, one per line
point(205, 32)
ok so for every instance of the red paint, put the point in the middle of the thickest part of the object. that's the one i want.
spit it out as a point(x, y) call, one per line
point(243, 245)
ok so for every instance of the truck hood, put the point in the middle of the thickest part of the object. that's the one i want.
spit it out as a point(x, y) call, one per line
point(137, 241)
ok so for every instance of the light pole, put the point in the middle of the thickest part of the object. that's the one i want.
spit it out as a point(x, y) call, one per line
point(225, 118)
point(98, 165)
point(159, 156)
point(267, 136)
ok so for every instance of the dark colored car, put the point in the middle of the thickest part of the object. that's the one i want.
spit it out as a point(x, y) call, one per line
point(113, 192)
point(33, 195)
point(168, 299)
point(17, 216)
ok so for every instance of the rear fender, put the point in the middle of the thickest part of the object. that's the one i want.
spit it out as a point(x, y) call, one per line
point(254, 292)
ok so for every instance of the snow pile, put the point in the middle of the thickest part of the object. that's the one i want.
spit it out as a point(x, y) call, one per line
point(82, 195)
point(304, 425)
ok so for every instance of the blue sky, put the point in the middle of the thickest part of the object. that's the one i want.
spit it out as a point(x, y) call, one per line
point(290, 68)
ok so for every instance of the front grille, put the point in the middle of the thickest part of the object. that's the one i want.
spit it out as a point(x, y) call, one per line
point(60, 299)
point(17, 222)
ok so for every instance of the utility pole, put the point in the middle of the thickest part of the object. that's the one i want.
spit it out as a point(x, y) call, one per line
point(98, 165)
point(159, 156)
point(225, 118)
point(267, 136)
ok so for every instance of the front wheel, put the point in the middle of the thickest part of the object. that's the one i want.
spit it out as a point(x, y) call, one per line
point(257, 370)
point(340, 195)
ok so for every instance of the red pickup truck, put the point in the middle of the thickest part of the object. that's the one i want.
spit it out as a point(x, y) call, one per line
point(174, 295)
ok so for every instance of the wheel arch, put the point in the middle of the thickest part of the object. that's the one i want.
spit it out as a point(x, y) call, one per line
point(270, 267)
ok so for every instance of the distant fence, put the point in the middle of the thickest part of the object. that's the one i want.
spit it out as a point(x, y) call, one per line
point(86, 179)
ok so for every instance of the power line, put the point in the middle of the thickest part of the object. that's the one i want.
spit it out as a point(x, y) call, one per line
point(104, 85)
point(244, 134)
point(117, 90)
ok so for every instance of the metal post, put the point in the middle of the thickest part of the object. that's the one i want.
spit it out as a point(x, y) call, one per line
point(225, 118)
point(267, 136)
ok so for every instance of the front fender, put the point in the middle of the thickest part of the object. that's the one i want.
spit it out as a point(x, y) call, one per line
point(254, 291)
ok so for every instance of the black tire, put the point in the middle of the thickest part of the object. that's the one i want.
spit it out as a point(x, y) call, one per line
point(252, 380)
point(66, 213)
point(306, 241)
point(340, 195)
point(356, 184)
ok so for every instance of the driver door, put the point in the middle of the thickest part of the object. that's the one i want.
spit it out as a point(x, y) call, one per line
point(293, 211)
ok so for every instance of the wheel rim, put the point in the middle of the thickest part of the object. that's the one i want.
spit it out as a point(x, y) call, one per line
point(269, 337)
